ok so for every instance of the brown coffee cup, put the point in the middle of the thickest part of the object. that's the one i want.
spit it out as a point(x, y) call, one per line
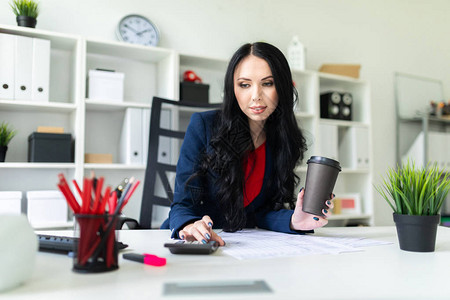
point(321, 177)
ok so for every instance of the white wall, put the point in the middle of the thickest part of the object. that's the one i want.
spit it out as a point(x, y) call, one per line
point(384, 36)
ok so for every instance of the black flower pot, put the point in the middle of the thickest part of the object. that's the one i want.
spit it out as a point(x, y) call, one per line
point(3, 153)
point(26, 21)
point(417, 233)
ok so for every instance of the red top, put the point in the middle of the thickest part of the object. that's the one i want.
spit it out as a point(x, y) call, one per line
point(254, 174)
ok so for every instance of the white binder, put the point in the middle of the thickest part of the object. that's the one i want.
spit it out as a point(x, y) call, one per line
point(354, 148)
point(145, 133)
point(416, 152)
point(23, 63)
point(165, 145)
point(7, 52)
point(131, 138)
point(40, 75)
point(447, 158)
point(328, 137)
point(438, 149)
point(362, 141)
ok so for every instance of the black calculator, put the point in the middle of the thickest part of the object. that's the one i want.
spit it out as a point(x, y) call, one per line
point(194, 247)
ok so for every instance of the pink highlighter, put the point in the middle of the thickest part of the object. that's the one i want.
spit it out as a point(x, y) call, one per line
point(148, 259)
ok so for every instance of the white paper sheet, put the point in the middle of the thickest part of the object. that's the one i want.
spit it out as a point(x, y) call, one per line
point(258, 244)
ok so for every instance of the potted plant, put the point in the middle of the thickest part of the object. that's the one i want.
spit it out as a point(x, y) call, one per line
point(26, 12)
point(6, 134)
point(416, 196)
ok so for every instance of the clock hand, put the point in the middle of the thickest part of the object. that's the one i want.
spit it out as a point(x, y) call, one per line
point(144, 31)
point(131, 28)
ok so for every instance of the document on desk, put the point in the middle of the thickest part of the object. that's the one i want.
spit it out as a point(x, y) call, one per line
point(259, 244)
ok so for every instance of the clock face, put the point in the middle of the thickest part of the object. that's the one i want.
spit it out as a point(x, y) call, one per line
point(137, 29)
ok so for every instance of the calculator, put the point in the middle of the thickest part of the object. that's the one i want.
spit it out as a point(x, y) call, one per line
point(194, 247)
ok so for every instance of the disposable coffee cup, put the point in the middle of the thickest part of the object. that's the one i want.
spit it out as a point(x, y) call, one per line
point(321, 177)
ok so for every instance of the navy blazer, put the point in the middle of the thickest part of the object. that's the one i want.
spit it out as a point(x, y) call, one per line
point(195, 199)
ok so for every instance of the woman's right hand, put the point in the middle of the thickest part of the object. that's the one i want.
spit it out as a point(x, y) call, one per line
point(201, 231)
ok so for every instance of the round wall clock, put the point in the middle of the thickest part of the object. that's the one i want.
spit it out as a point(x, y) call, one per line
point(136, 29)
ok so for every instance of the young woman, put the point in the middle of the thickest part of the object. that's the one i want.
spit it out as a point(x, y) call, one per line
point(236, 166)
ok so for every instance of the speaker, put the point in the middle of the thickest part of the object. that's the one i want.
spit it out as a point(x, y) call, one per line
point(345, 107)
point(329, 105)
point(335, 105)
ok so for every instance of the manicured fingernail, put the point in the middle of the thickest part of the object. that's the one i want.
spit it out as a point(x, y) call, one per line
point(325, 211)
point(316, 218)
point(328, 202)
point(301, 190)
point(203, 241)
point(182, 237)
point(207, 236)
point(210, 224)
point(334, 195)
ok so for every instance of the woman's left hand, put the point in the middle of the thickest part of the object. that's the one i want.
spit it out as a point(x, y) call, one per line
point(305, 221)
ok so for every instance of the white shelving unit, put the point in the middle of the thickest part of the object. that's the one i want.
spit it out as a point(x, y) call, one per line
point(354, 178)
point(431, 143)
point(25, 116)
point(149, 71)
point(421, 138)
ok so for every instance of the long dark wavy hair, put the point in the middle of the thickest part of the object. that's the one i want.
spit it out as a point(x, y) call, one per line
point(231, 142)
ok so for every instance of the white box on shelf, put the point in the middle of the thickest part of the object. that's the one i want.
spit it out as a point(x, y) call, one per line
point(105, 85)
point(46, 207)
point(10, 202)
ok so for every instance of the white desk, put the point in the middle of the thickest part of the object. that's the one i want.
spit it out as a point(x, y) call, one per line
point(379, 272)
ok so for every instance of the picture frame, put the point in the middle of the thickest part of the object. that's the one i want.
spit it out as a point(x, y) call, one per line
point(347, 204)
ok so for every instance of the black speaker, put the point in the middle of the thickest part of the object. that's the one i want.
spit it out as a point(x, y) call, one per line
point(345, 107)
point(329, 105)
point(335, 105)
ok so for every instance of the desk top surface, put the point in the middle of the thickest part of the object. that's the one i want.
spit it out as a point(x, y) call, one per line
point(378, 272)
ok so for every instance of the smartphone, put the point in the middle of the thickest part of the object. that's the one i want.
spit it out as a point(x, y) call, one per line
point(195, 247)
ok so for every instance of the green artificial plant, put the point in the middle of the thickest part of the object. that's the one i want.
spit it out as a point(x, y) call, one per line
point(6, 134)
point(27, 8)
point(415, 191)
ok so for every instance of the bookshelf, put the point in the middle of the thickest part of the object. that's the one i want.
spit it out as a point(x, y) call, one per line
point(95, 125)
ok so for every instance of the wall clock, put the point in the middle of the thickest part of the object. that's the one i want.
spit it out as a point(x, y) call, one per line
point(136, 29)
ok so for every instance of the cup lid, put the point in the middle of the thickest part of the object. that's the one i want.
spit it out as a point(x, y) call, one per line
point(324, 161)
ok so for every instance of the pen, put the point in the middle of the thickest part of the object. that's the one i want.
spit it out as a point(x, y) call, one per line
point(148, 259)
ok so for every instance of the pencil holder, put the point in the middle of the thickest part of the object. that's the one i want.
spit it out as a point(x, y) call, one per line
point(96, 248)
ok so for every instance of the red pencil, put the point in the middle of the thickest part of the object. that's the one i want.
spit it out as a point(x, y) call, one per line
point(72, 202)
point(96, 206)
point(77, 187)
point(105, 199)
point(70, 198)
